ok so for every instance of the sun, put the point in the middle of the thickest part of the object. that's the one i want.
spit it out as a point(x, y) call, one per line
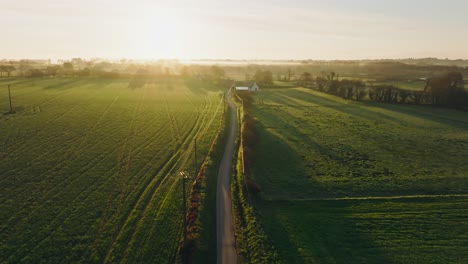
point(158, 34)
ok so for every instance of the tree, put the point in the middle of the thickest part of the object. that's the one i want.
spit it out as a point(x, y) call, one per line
point(217, 73)
point(52, 70)
point(321, 83)
point(360, 87)
point(446, 89)
point(36, 73)
point(185, 73)
point(306, 77)
point(290, 72)
point(85, 72)
point(263, 77)
point(6, 68)
point(68, 68)
point(23, 68)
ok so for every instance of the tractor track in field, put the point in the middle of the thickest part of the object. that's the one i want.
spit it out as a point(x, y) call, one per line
point(180, 162)
point(86, 196)
point(125, 141)
point(153, 184)
point(61, 185)
point(66, 161)
point(45, 125)
point(97, 160)
point(83, 173)
point(202, 128)
point(178, 159)
point(15, 95)
point(148, 195)
point(156, 181)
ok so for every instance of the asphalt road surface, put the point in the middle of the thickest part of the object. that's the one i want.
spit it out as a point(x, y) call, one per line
point(226, 243)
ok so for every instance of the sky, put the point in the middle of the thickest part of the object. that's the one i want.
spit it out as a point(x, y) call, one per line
point(240, 29)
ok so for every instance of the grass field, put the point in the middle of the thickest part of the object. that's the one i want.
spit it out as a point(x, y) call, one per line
point(414, 85)
point(89, 166)
point(315, 148)
point(414, 230)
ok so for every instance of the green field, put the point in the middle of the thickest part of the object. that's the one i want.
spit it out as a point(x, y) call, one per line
point(89, 166)
point(413, 230)
point(413, 85)
point(315, 148)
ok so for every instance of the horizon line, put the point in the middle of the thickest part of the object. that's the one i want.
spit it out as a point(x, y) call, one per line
point(234, 59)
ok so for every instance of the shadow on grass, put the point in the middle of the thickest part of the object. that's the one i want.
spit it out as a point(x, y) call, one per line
point(347, 107)
point(306, 231)
point(318, 232)
point(196, 86)
point(441, 115)
point(64, 84)
point(303, 236)
point(302, 156)
point(203, 87)
point(363, 109)
point(9, 113)
point(137, 82)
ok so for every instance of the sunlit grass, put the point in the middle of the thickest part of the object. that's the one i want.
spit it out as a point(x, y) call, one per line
point(89, 166)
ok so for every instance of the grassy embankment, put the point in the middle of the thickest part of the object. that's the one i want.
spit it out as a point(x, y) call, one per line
point(252, 243)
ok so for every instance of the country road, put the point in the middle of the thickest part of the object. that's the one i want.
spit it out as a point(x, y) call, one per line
point(225, 239)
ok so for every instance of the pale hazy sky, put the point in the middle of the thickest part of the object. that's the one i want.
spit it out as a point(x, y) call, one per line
point(236, 29)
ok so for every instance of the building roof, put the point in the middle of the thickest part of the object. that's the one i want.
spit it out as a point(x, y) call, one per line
point(242, 88)
point(248, 84)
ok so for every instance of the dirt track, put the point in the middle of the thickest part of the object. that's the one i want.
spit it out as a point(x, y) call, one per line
point(225, 239)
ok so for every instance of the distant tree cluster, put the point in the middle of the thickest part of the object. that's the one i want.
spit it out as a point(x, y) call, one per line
point(6, 69)
point(263, 77)
point(345, 88)
point(447, 89)
point(82, 68)
point(444, 90)
point(217, 73)
point(391, 94)
point(305, 79)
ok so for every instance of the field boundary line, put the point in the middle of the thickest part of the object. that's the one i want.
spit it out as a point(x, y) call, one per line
point(398, 197)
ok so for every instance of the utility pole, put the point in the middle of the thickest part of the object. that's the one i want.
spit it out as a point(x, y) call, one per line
point(225, 96)
point(195, 157)
point(9, 95)
point(184, 204)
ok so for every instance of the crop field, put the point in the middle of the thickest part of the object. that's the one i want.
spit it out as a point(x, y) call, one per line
point(89, 166)
point(346, 181)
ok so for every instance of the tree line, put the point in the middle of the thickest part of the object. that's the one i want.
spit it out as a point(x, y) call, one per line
point(445, 89)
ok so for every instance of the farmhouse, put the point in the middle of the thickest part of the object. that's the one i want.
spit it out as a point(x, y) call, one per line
point(246, 86)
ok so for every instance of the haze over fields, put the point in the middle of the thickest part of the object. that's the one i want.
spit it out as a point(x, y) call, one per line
point(241, 29)
point(215, 131)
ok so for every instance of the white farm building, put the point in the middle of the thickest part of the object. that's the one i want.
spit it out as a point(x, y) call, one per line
point(250, 87)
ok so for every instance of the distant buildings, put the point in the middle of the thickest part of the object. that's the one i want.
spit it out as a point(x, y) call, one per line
point(246, 86)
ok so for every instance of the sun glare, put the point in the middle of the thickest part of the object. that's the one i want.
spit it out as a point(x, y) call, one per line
point(158, 35)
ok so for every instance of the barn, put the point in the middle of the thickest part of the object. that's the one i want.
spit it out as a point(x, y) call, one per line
point(246, 86)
